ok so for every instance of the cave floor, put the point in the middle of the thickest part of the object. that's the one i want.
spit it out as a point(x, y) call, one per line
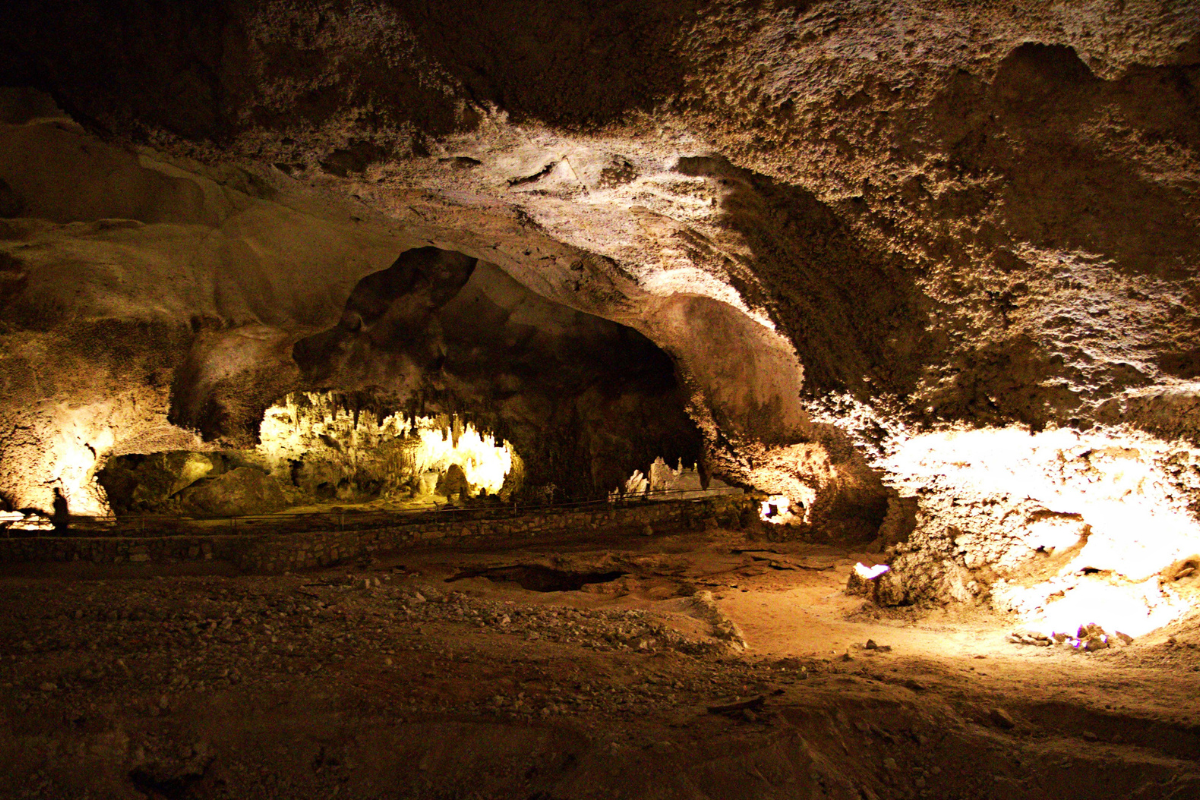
point(439, 674)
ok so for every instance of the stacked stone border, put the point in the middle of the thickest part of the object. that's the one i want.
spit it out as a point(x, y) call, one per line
point(279, 552)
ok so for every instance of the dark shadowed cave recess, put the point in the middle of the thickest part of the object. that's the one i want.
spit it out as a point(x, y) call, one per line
point(582, 400)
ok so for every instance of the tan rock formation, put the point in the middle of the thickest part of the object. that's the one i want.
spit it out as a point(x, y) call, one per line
point(852, 225)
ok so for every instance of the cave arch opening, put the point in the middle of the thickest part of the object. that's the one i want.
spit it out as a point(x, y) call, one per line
point(439, 345)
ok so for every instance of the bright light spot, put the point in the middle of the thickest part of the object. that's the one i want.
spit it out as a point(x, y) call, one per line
point(1079, 527)
point(312, 427)
point(870, 573)
point(484, 463)
point(80, 435)
point(24, 522)
point(1132, 609)
point(777, 510)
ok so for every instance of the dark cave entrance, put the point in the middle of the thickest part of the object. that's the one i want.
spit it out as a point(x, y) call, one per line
point(583, 400)
point(438, 344)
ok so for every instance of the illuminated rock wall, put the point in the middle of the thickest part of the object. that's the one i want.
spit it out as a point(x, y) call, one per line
point(121, 274)
point(1060, 527)
point(841, 221)
point(159, 309)
point(326, 448)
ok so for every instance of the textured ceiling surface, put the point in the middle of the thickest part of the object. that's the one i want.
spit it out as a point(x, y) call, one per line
point(840, 219)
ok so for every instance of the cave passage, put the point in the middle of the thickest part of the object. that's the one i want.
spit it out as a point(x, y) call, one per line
point(445, 380)
point(582, 400)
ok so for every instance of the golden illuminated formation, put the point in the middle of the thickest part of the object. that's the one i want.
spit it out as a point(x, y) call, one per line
point(777, 510)
point(1062, 528)
point(312, 439)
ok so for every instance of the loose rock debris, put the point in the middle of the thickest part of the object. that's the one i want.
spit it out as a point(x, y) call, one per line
point(392, 682)
point(1086, 639)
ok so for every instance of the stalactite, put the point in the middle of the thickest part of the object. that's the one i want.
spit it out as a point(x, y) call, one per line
point(396, 449)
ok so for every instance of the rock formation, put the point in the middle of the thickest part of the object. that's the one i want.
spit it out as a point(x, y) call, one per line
point(859, 230)
point(326, 450)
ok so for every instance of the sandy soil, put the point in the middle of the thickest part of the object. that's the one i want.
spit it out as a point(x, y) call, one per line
point(425, 675)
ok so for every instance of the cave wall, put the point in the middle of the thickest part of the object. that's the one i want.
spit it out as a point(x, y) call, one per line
point(118, 270)
point(852, 224)
point(934, 192)
point(169, 305)
point(164, 309)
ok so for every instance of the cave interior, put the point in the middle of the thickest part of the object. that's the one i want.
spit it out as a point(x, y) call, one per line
point(688, 398)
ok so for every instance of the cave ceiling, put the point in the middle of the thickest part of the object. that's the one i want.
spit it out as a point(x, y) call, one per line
point(987, 209)
point(840, 220)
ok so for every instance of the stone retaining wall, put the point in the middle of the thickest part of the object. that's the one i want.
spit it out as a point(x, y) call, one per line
point(289, 551)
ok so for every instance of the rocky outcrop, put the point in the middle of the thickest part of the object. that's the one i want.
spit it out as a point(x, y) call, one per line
point(149, 483)
point(242, 491)
point(851, 225)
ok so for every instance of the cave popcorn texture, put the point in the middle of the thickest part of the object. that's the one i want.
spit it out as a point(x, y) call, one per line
point(321, 446)
point(995, 228)
point(1060, 527)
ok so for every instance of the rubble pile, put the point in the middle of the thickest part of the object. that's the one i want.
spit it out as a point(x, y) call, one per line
point(1086, 639)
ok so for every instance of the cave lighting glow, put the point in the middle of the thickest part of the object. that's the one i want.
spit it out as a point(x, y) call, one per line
point(1133, 609)
point(870, 573)
point(81, 434)
point(16, 520)
point(310, 422)
point(484, 463)
point(1115, 513)
point(777, 510)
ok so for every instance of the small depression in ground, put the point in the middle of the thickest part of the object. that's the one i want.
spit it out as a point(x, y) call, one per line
point(537, 578)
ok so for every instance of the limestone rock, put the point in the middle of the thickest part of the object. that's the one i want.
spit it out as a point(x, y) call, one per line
point(145, 483)
point(956, 263)
point(453, 482)
point(241, 491)
point(1001, 719)
point(880, 584)
point(428, 484)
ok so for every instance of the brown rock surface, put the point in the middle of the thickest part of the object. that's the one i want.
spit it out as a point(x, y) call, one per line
point(924, 273)
point(239, 492)
point(851, 225)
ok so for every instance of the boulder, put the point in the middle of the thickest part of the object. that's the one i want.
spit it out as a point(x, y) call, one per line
point(879, 583)
point(453, 482)
point(239, 492)
point(145, 483)
point(189, 468)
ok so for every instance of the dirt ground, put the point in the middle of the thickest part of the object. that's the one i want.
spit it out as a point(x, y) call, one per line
point(576, 669)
